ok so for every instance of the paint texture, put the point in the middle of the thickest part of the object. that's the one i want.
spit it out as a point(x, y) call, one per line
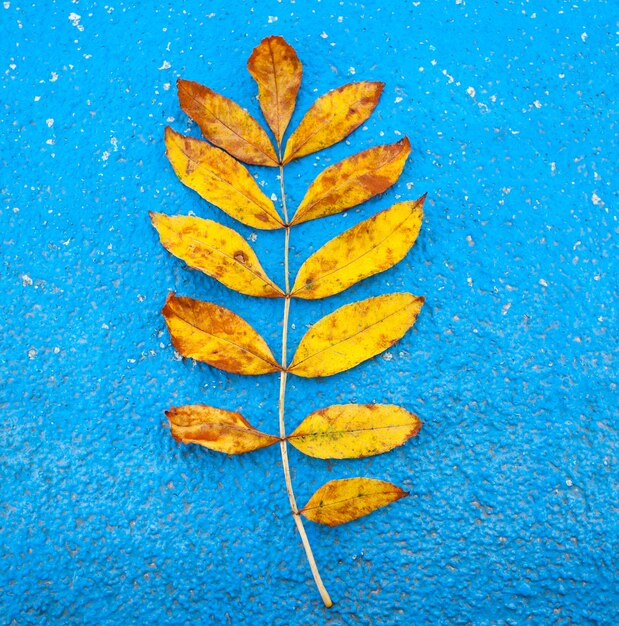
point(510, 109)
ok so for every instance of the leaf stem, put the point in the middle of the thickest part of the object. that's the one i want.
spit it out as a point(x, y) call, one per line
point(324, 594)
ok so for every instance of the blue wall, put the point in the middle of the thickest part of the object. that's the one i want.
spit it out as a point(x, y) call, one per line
point(511, 112)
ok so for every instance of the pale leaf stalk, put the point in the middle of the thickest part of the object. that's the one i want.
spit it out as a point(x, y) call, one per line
point(324, 594)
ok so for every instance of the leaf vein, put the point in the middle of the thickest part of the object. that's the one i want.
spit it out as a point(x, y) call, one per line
point(348, 338)
point(257, 147)
point(336, 502)
point(267, 281)
point(372, 248)
point(236, 189)
point(346, 183)
point(223, 339)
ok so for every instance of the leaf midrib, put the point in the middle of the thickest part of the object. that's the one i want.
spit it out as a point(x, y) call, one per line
point(342, 267)
point(253, 145)
point(236, 189)
point(352, 430)
point(336, 502)
point(299, 146)
point(344, 183)
point(250, 431)
point(294, 365)
point(262, 277)
point(223, 339)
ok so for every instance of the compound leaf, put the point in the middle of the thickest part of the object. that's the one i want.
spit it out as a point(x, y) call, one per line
point(353, 431)
point(372, 246)
point(216, 429)
point(353, 181)
point(221, 180)
point(216, 250)
point(354, 333)
point(277, 70)
point(333, 117)
point(226, 124)
point(207, 332)
point(341, 501)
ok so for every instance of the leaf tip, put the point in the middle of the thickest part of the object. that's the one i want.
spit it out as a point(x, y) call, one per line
point(271, 38)
point(171, 413)
point(155, 217)
point(171, 296)
point(169, 133)
point(181, 83)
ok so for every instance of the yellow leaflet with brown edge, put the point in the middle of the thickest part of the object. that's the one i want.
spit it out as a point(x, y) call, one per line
point(333, 117)
point(277, 70)
point(227, 125)
point(216, 429)
point(216, 250)
point(341, 501)
point(353, 431)
point(221, 180)
point(207, 332)
point(353, 181)
point(354, 333)
point(371, 247)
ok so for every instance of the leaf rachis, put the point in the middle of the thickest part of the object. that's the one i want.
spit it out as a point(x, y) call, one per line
point(351, 334)
point(324, 594)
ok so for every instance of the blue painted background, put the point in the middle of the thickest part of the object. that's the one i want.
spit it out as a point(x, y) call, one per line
point(513, 518)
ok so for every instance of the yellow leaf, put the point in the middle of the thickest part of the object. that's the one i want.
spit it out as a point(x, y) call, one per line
point(354, 333)
point(207, 332)
point(216, 250)
point(221, 180)
point(333, 117)
point(216, 429)
point(353, 431)
point(341, 501)
point(371, 247)
point(277, 70)
point(353, 181)
point(226, 124)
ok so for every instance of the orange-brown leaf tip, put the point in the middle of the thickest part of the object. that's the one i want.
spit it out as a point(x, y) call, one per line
point(169, 132)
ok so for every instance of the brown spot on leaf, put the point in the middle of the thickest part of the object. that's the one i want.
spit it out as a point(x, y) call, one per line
point(240, 256)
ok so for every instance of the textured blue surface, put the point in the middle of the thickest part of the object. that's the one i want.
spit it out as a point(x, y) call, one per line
point(511, 112)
